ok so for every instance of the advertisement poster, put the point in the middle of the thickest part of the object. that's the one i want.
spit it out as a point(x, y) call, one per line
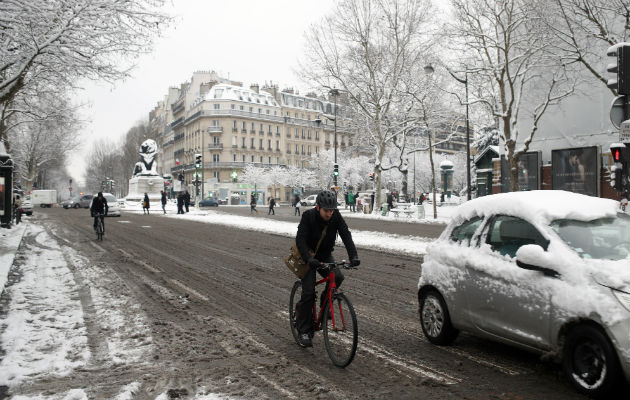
point(528, 172)
point(576, 170)
point(2, 189)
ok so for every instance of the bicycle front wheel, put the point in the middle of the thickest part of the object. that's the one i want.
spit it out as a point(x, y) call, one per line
point(296, 295)
point(341, 332)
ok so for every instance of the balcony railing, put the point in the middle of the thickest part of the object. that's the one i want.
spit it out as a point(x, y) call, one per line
point(215, 129)
point(215, 146)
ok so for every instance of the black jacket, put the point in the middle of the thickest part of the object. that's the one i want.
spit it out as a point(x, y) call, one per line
point(310, 230)
point(99, 206)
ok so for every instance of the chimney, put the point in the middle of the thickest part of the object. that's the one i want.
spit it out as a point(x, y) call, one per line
point(255, 87)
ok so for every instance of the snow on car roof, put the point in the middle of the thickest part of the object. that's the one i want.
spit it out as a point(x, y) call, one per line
point(541, 206)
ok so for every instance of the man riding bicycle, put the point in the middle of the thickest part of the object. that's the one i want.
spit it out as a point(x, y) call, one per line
point(310, 229)
point(99, 209)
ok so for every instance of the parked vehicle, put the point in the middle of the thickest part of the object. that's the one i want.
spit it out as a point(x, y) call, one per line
point(27, 206)
point(78, 202)
point(209, 202)
point(309, 201)
point(45, 198)
point(112, 204)
point(547, 271)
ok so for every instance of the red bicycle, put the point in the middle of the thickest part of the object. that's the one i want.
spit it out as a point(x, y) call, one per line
point(336, 317)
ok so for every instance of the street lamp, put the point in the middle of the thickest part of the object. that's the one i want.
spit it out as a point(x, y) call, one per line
point(335, 93)
point(429, 70)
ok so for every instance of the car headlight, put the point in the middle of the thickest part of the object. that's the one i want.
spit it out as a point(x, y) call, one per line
point(623, 298)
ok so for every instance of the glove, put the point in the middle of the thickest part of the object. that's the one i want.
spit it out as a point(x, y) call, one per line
point(314, 263)
point(355, 262)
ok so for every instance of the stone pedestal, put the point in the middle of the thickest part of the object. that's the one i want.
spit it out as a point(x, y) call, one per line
point(140, 185)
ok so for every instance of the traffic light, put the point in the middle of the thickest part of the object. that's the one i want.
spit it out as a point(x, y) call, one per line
point(617, 169)
point(197, 160)
point(336, 170)
point(620, 67)
point(372, 176)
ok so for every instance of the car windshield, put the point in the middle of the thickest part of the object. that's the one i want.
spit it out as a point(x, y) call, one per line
point(604, 238)
point(110, 199)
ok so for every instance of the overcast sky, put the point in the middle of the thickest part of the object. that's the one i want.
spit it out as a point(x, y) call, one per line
point(245, 40)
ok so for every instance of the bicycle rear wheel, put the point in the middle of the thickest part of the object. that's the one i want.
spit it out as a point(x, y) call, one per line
point(296, 294)
point(99, 230)
point(341, 340)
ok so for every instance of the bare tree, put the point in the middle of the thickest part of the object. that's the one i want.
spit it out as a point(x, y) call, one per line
point(43, 139)
point(584, 29)
point(513, 65)
point(363, 49)
point(54, 43)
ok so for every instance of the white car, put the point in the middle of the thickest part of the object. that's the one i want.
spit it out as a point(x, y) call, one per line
point(309, 201)
point(113, 208)
point(547, 271)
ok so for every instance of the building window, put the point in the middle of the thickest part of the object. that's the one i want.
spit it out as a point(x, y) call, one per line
point(261, 159)
point(234, 157)
point(243, 157)
point(302, 149)
point(269, 128)
point(316, 149)
point(277, 130)
point(253, 129)
point(297, 133)
point(241, 108)
point(252, 143)
point(269, 144)
point(251, 109)
point(308, 134)
point(216, 174)
point(244, 126)
point(215, 140)
point(303, 137)
point(260, 143)
point(309, 150)
point(261, 128)
point(316, 135)
point(244, 145)
point(215, 158)
point(277, 145)
point(252, 158)
point(277, 160)
point(267, 112)
point(232, 106)
point(260, 111)
point(217, 106)
point(234, 125)
point(269, 162)
point(297, 149)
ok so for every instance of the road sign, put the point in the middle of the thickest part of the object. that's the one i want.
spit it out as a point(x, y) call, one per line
point(624, 132)
point(616, 111)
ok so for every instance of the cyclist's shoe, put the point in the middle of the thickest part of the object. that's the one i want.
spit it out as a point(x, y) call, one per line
point(306, 340)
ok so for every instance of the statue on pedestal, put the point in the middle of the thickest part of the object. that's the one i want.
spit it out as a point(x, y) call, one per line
point(147, 165)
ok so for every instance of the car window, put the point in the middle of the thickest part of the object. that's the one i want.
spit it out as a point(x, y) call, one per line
point(507, 234)
point(604, 238)
point(464, 232)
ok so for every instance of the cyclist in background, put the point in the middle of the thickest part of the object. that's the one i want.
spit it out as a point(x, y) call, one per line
point(99, 209)
point(310, 229)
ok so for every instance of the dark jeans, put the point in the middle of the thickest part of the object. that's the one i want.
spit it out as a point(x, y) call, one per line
point(102, 221)
point(164, 207)
point(304, 307)
point(271, 211)
point(297, 211)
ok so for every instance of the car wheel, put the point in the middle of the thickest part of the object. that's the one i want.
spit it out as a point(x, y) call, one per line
point(435, 319)
point(75, 206)
point(590, 362)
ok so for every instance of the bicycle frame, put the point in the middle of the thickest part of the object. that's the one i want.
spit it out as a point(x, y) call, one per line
point(332, 287)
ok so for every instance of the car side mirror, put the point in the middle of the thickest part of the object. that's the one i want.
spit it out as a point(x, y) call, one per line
point(534, 257)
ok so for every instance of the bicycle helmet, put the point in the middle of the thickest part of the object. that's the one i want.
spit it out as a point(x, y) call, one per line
point(327, 200)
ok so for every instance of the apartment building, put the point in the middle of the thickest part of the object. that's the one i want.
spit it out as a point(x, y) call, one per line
point(233, 126)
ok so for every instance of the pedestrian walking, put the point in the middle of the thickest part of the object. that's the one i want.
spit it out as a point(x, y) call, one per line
point(390, 201)
point(352, 200)
point(296, 201)
point(180, 203)
point(145, 204)
point(163, 201)
point(187, 200)
point(372, 202)
point(272, 204)
point(346, 198)
point(252, 205)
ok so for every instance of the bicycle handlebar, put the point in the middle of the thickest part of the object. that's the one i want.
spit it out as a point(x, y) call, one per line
point(342, 264)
